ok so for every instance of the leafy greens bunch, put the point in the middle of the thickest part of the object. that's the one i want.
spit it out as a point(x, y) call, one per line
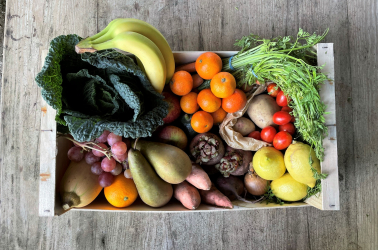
point(105, 90)
point(288, 63)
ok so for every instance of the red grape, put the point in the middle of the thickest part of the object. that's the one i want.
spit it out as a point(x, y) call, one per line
point(108, 165)
point(117, 170)
point(96, 168)
point(127, 174)
point(121, 158)
point(75, 154)
point(113, 138)
point(105, 179)
point(119, 148)
point(103, 137)
point(90, 158)
point(127, 141)
point(100, 146)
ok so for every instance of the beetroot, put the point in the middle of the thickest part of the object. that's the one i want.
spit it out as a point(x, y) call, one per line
point(235, 162)
point(231, 186)
point(206, 149)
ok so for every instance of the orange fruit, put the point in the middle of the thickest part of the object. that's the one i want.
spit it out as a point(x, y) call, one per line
point(208, 101)
point(223, 84)
point(201, 122)
point(181, 83)
point(234, 102)
point(219, 115)
point(188, 103)
point(122, 193)
point(208, 65)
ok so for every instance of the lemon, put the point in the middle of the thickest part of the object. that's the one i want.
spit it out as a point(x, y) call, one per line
point(288, 189)
point(298, 165)
point(269, 163)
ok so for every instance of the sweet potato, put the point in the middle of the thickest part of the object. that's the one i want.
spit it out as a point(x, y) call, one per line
point(190, 67)
point(215, 197)
point(187, 195)
point(197, 81)
point(244, 126)
point(199, 178)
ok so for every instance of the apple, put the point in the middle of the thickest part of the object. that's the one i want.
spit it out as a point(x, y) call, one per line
point(174, 108)
point(172, 135)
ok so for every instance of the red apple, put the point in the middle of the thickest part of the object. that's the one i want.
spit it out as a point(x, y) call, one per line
point(174, 108)
point(172, 135)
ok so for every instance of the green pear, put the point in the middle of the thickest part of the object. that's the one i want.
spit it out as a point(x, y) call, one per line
point(171, 163)
point(151, 188)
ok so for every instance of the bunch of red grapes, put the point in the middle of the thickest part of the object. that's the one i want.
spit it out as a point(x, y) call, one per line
point(107, 156)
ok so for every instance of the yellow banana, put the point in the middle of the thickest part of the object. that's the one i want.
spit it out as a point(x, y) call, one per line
point(121, 25)
point(145, 50)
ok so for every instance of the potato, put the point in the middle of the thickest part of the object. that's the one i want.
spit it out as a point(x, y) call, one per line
point(199, 178)
point(215, 197)
point(187, 195)
point(262, 109)
point(244, 126)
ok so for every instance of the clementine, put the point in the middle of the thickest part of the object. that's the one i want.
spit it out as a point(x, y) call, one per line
point(188, 103)
point(181, 83)
point(208, 65)
point(234, 102)
point(122, 193)
point(223, 84)
point(208, 101)
point(219, 115)
point(201, 122)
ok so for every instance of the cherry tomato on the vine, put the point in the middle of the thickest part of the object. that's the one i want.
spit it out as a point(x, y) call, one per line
point(255, 135)
point(268, 133)
point(282, 140)
point(273, 90)
point(281, 117)
point(288, 127)
point(281, 99)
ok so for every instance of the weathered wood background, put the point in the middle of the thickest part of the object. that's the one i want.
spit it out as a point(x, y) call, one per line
point(193, 25)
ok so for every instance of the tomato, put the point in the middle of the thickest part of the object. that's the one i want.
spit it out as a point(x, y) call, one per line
point(273, 90)
point(287, 109)
point(255, 135)
point(281, 99)
point(268, 133)
point(282, 140)
point(288, 127)
point(281, 117)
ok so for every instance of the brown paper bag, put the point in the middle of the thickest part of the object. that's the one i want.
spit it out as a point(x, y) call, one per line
point(235, 139)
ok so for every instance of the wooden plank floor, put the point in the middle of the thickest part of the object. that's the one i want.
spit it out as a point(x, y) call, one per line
point(193, 25)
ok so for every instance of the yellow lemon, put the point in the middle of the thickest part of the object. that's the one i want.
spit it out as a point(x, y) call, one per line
point(298, 164)
point(268, 163)
point(288, 189)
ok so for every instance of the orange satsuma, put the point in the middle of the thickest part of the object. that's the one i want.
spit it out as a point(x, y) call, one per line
point(208, 101)
point(201, 122)
point(122, 193)
point(223, 84)
point(188, 103)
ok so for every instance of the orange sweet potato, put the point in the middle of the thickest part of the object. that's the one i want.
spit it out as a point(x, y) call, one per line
point(190, 67)
point(199, 178)
point(215, 197)
point(187, 195)
point(197, 81)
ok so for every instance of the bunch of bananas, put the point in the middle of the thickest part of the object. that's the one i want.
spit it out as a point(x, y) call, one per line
point(137, 37)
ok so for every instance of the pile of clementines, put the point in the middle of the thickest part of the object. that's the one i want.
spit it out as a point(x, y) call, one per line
point(223, 97)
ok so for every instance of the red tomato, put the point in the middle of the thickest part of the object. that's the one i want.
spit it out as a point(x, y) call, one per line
point(268, 133)
point(272, 91)
point(287, 109)
point(282, 140)
point(255, 135)
point(281, 117)
point(288, 127)
point(281, 99)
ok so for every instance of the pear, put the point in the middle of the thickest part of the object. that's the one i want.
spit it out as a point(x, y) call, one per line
point(151, 188)
point(171, 163)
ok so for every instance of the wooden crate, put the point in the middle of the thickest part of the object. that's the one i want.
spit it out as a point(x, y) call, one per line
point(53, 156)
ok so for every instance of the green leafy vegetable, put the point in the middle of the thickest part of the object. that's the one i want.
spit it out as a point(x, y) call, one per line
point(96, 92)
point(288, 64)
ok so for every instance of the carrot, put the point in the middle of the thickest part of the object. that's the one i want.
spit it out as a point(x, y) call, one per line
point(197, 80)
point(199, 178)
point(187, 195)
point(190, 67)
point(215, 197)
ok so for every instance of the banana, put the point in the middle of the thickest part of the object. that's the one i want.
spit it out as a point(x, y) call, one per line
point(145, 50)
point(122, 25)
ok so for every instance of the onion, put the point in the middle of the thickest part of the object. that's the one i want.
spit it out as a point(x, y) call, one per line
point(254, 184)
